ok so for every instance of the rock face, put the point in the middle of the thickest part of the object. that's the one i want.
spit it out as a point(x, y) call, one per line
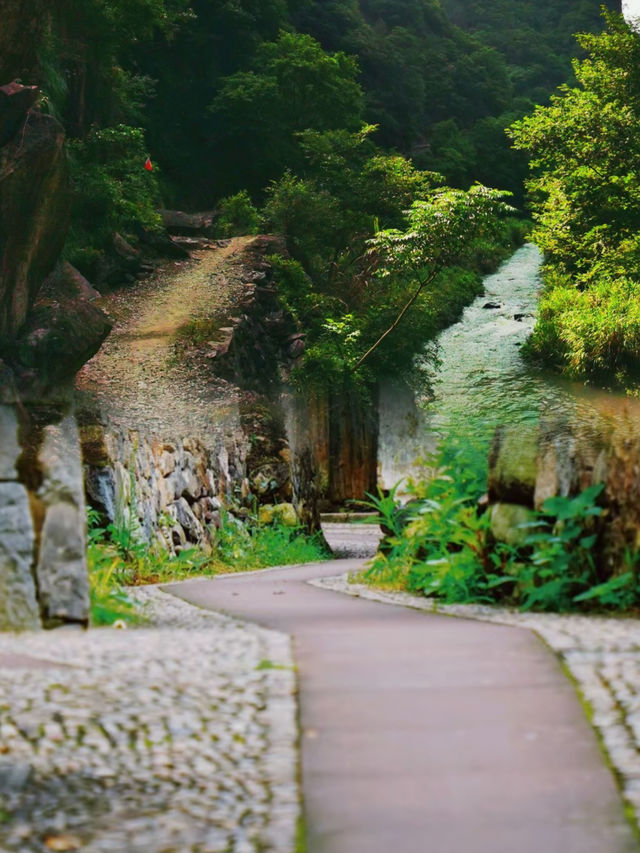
point(49, 325)
point(167, 492)
point(34, 210)
point(528, 465)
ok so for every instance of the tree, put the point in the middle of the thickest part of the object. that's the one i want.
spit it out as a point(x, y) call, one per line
point(293, 86)
point(440, 231)
point(585, 153)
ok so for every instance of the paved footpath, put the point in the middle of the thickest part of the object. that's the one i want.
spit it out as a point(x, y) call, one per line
point(427, 734)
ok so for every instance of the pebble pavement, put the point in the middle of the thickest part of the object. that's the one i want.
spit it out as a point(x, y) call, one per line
point(178, 736)
point(602, 654)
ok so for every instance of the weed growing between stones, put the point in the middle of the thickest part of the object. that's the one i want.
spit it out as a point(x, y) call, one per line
point(440, 544)
point(118, 558)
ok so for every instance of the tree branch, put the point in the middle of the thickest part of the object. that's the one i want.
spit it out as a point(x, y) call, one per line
point(398, 319)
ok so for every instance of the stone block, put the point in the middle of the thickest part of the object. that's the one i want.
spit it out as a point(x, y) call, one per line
point(62, 574)
point(63, 581)
point(9, 447)
point(513, 464)
point(167, 463)
point(60, 461)
point(188, 521)
point(557, 473)
point(18, 606)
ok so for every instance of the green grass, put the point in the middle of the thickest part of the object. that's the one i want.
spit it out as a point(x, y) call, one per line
point(118, 559)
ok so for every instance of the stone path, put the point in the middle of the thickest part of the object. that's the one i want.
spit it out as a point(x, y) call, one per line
point(421, 732)
point(177, 737)
point(602, 654)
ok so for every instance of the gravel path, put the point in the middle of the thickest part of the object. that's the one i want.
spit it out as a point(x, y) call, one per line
point(602, 655)
point(139, 377)
point(176, 736)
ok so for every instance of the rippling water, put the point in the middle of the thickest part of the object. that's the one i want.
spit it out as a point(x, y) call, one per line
point(482, 380)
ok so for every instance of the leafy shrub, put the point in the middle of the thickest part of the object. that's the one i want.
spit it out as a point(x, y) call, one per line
point(442, 547)
point(256, 546)
point(592, 332)
point(440, 551)
point(238, 216)
point(107, 576)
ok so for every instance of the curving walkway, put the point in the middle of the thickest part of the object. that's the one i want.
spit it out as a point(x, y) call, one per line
point(427, 734)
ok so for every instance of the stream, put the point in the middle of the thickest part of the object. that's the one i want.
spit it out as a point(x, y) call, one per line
point(482, 381)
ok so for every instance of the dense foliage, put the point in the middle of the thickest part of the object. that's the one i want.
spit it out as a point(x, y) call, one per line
point(219, 86)
point(585, 152)
point(377, 245)
point(441, 85)
point(268, 103)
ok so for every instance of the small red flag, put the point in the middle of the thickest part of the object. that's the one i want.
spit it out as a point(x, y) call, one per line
point(149, 165)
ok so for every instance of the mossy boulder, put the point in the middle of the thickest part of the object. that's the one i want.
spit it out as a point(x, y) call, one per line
point(513, 465)
point(507, 523)
point(284, 513)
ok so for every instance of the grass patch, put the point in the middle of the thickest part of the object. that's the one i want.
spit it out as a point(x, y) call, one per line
point(195, 334)
point(269, 664)
point(118, 558)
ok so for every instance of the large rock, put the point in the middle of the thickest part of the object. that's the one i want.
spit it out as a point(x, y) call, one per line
point(34, 216)
point(67, 282)
point(188, 224)
point(63, 330)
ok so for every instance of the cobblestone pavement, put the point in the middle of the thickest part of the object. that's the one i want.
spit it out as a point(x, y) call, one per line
point(176, 737)
point(602, 654)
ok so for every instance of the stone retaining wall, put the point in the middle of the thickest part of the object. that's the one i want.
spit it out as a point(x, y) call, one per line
point(169, 491)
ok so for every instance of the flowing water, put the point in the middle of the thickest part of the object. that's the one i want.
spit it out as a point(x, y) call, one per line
point(482, 380)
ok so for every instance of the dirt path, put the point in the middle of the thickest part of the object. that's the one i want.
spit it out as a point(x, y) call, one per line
point(147, 373)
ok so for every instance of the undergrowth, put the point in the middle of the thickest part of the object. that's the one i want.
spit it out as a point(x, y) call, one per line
point(439, 544)
point(119, 558)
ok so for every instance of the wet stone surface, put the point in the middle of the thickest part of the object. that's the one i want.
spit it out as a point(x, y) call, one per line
point(176, 736)
point(602, 654)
